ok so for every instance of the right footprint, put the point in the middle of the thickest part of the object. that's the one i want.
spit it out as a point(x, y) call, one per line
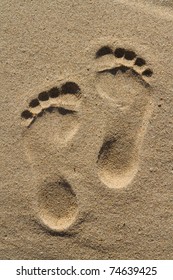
point(51, 120)
point(123, 82)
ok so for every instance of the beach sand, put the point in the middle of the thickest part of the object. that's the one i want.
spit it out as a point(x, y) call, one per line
point(86, 137)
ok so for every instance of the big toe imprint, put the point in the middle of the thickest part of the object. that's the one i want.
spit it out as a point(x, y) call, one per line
point(128, 98)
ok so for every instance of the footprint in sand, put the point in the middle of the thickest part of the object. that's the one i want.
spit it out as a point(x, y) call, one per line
point(52, 121)
point(123, 81)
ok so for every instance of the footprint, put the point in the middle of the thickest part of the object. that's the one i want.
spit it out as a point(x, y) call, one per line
point(51, 121)
point(123, 83)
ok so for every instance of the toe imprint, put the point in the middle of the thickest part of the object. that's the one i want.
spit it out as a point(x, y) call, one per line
point(48, 101)
point(123, 61)
point(103, 51)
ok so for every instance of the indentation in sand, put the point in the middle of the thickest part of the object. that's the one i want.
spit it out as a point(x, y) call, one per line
point(57, 206)
point(51, 121)
point(125, 87)
point(122, 60)
point(60, 99)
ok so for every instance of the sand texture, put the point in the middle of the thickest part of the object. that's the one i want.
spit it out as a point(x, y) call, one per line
point(86, 136)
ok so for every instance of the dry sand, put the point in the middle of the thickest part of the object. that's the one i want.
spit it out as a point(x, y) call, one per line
point(86, 129)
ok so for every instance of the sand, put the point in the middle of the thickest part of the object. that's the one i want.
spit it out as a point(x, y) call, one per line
point(86, 129)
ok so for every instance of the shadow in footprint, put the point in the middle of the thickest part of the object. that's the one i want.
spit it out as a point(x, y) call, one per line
point(118, 161)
